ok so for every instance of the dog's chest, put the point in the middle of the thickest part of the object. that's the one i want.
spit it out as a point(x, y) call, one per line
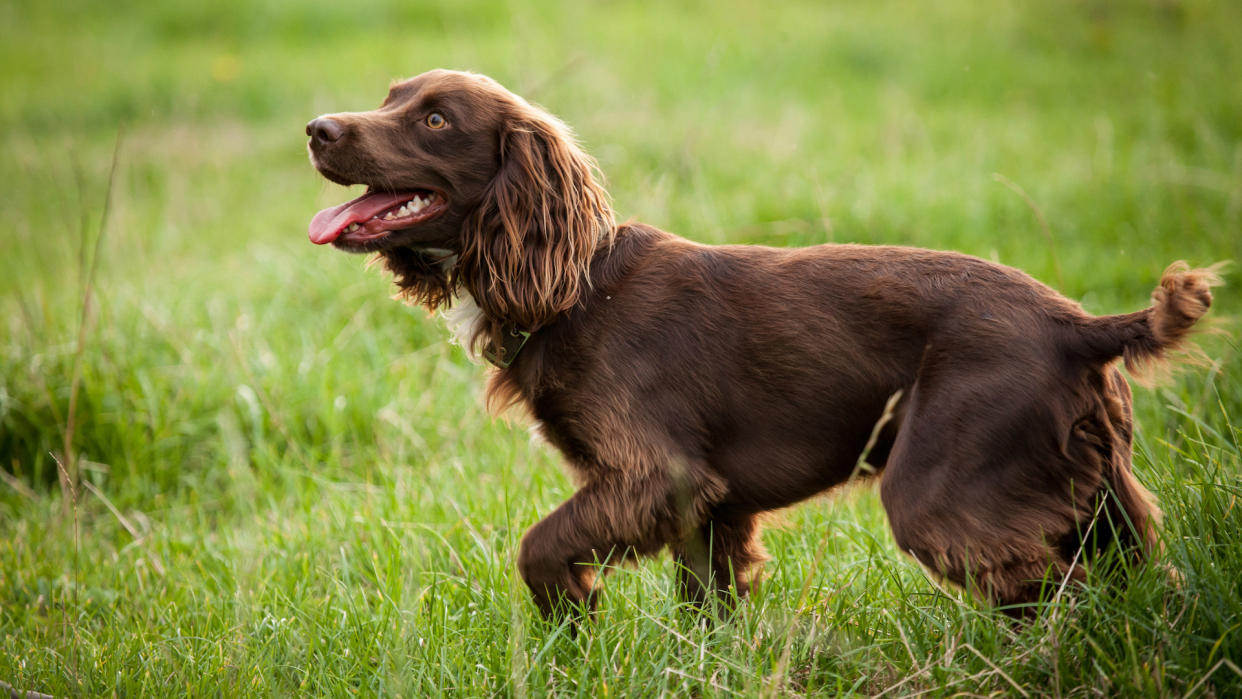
point(464, 319)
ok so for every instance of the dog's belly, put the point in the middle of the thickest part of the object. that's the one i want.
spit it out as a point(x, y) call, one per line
point(780, 439)
point(769, 469)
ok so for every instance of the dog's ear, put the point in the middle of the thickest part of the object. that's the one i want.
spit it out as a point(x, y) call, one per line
point(527, 247)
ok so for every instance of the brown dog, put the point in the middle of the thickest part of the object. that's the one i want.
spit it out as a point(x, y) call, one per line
point(691, 388)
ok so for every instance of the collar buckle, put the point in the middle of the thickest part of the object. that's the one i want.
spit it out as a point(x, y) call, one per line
point(513, 343)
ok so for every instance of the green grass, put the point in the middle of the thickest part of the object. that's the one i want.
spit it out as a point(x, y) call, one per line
point(288, 484)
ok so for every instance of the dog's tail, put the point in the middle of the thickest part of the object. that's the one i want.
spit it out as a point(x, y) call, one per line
point(1145, 337)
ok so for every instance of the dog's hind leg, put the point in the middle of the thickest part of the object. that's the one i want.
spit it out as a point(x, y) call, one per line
point(986, 480)
point(1127, 514)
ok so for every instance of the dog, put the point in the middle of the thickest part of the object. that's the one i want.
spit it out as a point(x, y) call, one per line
point(692, 388)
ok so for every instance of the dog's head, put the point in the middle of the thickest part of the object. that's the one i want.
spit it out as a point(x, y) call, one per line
point(467, 185)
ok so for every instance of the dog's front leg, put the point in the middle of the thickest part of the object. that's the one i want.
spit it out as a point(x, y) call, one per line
point(554, 562)
point(604, 523)
point(718, 557)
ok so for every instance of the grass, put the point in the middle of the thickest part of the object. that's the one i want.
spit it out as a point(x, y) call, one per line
point(276, 481)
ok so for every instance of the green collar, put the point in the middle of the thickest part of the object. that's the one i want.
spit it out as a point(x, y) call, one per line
point(513, 343)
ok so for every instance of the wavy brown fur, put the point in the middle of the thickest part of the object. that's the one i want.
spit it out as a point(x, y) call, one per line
point(692, 388)
point(527, 247)
point(419, 277)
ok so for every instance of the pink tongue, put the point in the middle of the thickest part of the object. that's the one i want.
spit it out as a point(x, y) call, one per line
point(327, 225)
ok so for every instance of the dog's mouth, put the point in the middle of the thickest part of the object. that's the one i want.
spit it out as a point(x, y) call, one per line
point(374, 215)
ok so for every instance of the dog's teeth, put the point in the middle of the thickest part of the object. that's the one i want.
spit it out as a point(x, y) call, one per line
point(389, 216)
point(403, 211)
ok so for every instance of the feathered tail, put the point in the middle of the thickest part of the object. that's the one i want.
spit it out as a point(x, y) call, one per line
point(1144, 337)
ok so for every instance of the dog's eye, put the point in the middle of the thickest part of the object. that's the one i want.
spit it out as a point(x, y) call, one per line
point(436, 120)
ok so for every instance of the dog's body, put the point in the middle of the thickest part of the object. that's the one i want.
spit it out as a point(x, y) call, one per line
point(691, 388)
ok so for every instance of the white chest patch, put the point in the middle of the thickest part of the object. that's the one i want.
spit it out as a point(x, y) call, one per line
point(464, 319)
point(538, 435)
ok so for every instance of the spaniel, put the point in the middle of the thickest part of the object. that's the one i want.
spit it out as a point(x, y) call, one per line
point(692, 388)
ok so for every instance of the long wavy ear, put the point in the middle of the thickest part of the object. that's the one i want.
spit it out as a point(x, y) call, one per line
point(527, 247)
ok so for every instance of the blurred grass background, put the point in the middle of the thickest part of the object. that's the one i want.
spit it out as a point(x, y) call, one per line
point(281, 482)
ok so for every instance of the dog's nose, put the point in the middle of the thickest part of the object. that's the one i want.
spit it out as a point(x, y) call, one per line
point(324, 130)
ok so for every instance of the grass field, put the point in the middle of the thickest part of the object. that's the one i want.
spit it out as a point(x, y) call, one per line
point(277, 481)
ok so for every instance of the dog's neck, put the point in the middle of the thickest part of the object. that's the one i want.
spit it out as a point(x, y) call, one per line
point(465, 320)
point(464, 317)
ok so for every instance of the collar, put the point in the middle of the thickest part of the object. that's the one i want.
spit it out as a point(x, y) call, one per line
point(513, 343)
